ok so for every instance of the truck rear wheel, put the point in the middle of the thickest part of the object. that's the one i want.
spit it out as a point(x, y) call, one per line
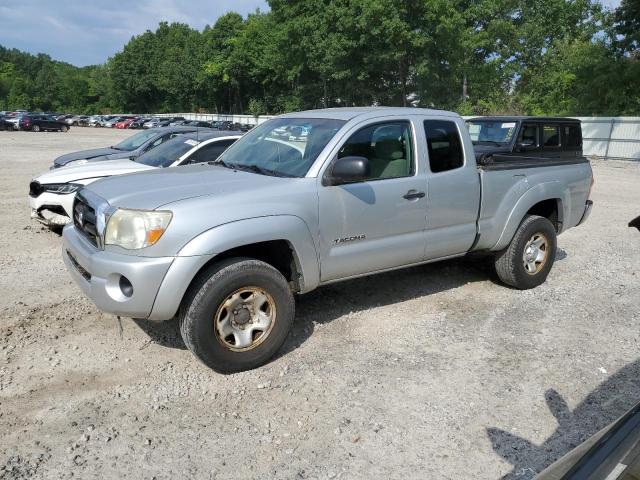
point(237, 314)
point(528, 259)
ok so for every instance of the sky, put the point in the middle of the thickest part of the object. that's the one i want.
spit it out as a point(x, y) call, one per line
point(87, 32)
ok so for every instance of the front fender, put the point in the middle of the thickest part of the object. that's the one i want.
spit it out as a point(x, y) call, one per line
point(205, 246)
point(536, 194)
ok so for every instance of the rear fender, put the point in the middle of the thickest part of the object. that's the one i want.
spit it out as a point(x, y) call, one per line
point(536, 194)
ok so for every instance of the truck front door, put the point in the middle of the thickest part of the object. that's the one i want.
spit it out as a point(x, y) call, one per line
point(378, 223)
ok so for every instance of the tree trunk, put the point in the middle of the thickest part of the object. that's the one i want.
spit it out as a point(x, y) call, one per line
point(465, 94)
point(324, 90)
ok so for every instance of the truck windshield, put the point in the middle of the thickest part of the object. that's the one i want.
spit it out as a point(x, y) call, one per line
point(284, 147)
point(491, 131)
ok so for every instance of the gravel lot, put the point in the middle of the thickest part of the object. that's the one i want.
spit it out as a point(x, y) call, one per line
point(432, 372)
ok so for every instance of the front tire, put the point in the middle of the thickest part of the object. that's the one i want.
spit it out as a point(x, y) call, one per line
point(528, 259)
point(237, 314)
point(35, 128)
point(64, 129)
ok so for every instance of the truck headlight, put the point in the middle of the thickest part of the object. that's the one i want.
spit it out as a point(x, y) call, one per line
point(60, 188)
point(135, 229)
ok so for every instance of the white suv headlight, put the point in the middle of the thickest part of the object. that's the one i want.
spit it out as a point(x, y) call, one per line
point(135, 229)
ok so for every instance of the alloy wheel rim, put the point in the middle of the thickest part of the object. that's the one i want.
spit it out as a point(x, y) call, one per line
point(536, 252)
point(245, 319)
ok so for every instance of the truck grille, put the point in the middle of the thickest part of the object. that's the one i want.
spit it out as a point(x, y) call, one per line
point(35, 189)
point(84, 218)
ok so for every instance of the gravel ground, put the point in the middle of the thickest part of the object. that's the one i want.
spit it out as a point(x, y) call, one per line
point(432, 372)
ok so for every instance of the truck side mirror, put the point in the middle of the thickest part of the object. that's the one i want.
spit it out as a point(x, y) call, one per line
point(348, 170)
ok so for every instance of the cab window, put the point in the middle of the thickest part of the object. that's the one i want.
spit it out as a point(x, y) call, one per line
point(572, 136)
point(550, 136)
point(444, 145)
point(528, 136)
point(387, 146)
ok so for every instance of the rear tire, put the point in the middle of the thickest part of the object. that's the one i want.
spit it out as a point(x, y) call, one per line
point(35, 128)
point(64, 129)
point(237, 314)
point(528, 259)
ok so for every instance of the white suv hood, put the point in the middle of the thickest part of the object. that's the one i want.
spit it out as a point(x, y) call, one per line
point(92, 170)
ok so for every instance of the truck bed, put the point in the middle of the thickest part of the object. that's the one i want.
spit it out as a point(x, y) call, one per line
point(511, 182)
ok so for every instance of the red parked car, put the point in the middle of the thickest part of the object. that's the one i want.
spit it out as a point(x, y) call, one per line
point(126, 123)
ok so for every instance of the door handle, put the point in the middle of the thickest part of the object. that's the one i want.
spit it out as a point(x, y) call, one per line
point(413, 195)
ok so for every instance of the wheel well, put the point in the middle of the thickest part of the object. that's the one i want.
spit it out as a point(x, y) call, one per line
point(549, 210)
point(277, 253)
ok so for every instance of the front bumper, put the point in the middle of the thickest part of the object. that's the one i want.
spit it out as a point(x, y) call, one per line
point(99, 273)
point(52, 209)
point(587, 211)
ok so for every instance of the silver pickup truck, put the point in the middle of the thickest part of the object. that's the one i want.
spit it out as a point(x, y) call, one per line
point(307, 199)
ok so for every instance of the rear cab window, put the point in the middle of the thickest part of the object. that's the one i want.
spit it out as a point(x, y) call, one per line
point(572, 136)
point(444, 145)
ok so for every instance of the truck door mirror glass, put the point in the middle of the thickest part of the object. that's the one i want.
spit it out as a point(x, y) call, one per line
point(349, 170)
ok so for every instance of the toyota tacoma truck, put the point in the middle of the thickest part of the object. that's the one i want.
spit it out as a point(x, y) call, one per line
point(226, 245)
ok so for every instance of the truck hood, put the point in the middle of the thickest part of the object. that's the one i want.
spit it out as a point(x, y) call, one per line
point(152, 189)
point(91, 170)
point(88, 154)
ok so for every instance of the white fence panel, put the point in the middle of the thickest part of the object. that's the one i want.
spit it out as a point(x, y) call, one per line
point(611, 137)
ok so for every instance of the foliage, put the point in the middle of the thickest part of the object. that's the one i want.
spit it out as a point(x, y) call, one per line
point(564, 57)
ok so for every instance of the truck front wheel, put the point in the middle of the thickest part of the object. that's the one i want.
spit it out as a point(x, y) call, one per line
point(237, 314)
point(528, 259)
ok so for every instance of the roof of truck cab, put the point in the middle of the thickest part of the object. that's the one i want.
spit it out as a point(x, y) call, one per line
point(348, 113)
point(520, 118)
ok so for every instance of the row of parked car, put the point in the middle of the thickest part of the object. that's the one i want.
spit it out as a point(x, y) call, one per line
point(25, 120)
point(36, 122)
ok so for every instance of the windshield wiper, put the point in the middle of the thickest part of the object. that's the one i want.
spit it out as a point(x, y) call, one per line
point(222, 163)
point(263, 171)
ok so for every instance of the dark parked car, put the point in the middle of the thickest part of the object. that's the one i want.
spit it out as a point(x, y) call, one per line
point(131, 148)
point(38, 123)
point(197, 123)
point(4, 124)
point(137, 124)
point(548, 137)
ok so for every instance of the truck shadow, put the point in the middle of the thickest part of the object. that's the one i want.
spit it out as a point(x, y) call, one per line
point(333, 301)
point(330, 302)
point(611, 399)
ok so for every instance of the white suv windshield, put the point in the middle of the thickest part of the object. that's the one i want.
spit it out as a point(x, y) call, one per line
point(285, 147)
point(166, 154)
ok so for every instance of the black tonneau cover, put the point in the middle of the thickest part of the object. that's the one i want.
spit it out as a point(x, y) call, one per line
point(513, 162)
